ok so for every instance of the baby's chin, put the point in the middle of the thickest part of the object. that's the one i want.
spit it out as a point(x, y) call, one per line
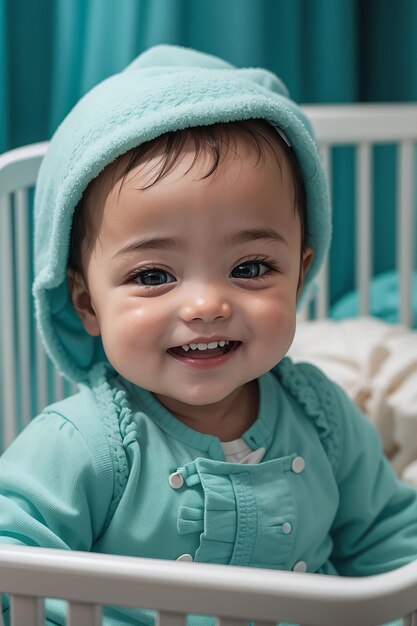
point(195, 398)
point(212, 398)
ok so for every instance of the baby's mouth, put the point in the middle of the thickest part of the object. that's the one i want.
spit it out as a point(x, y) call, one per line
point(204, 354)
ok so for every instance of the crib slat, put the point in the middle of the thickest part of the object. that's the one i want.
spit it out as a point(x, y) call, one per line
point(23, 304)
point(322, 299)
point(27, 611)
point(41, 375)
point(7, 330)
point(364, 225)
point(83, 614)
point(165, 618)
point(405, 229)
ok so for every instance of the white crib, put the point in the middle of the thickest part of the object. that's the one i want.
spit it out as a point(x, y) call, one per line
point(232, 594)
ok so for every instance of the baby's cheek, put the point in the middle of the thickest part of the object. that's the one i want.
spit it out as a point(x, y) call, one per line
point(134, 309)
point(138, 325)
point(272, 311)
point(127, 323)
point(147, 317)
point(274, 327)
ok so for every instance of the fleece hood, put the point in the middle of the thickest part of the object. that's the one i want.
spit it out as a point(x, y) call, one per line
point(166, 88)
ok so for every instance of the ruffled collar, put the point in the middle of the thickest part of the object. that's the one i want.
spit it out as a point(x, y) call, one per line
point(258, 435)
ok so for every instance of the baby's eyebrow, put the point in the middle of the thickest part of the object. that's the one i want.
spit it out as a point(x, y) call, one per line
point(230, 239)
point(154, 243)
point(253, 234)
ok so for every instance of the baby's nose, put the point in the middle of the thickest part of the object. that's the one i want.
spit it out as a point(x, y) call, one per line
point(206, 307)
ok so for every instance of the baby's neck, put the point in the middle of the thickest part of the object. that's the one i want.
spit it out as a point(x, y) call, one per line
point(228, 421)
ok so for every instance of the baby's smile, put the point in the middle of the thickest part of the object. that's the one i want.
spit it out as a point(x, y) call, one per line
point(199, 353)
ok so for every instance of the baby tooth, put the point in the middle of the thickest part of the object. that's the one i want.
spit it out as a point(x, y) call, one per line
point(185, 347)
point(202, 346)
point(213, 344)
point(222, 343)
point(193, 346)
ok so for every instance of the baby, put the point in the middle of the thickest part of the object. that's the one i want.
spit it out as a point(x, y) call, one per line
point(181, 213)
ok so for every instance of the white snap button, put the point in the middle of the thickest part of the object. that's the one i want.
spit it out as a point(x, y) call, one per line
point(176, 480)
point(185, 557)
point(300, 566)
point(286, 528)
point(298, 465)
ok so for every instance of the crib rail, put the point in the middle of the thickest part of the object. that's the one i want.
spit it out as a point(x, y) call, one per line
point(364, 126)
point(19, 167)
point(174, 589)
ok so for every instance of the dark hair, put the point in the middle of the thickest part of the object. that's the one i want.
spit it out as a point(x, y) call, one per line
point(213, 139)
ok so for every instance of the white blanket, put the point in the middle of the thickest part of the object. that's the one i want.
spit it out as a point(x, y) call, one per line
point(376, 364)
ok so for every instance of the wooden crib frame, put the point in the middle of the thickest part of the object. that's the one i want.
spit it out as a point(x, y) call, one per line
point(233, 594)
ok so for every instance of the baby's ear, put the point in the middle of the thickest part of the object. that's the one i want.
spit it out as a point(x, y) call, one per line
point(82, 303)
point(306, 259)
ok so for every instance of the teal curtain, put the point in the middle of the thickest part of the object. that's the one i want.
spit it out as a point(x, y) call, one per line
point(53, 51)
point(4, 92)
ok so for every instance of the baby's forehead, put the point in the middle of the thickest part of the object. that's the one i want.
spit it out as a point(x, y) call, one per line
point(254, 139)
point(188, 204)
point(252, 145)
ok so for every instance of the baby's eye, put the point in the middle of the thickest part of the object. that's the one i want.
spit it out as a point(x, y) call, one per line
point(153, 277)
point(250, 269)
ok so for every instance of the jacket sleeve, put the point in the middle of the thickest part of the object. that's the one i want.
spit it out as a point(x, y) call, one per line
point(55, 488)
point(375, 528)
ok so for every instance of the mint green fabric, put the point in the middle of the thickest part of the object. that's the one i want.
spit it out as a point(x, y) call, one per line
point(166, 88)
point(92, 473)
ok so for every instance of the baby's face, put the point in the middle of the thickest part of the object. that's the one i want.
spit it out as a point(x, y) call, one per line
point(192, 261)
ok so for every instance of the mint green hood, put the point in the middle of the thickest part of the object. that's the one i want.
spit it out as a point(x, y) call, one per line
point(166, 88)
